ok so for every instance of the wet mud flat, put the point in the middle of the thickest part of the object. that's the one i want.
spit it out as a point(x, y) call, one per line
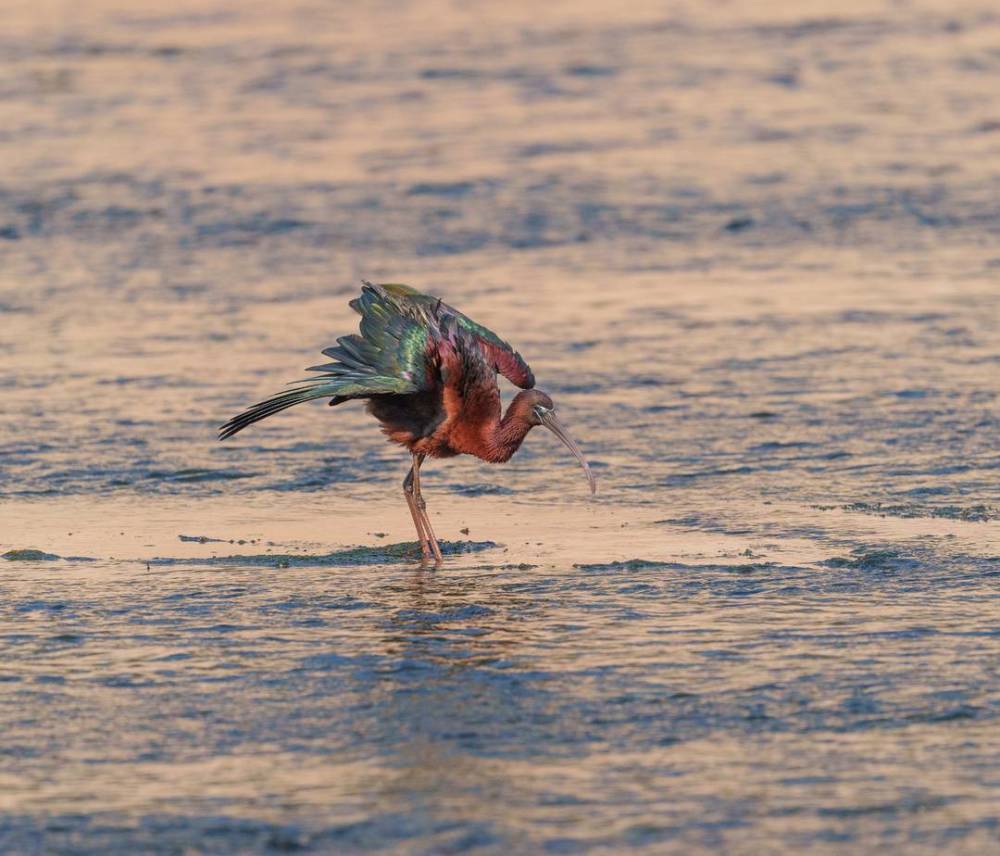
point(752, 255)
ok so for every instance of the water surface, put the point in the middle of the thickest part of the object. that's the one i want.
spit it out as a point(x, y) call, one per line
point(752, 255)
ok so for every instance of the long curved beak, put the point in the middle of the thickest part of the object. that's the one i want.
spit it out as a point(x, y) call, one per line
point(555, 426)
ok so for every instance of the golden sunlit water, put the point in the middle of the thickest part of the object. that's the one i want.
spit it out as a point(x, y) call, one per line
point(751, 251)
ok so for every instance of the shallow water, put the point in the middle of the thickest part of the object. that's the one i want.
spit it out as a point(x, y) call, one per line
point(752, 255)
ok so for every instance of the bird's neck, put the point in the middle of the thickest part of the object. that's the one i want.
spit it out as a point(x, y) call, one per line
point(505, 435)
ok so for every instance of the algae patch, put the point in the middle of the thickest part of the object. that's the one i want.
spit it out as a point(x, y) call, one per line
point(29, 556)
point(385, 554)
point(627, 565)
point(868, 559)
point(972, 513)
point(647, 565)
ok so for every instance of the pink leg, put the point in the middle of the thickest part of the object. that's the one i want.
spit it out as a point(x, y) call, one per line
point(411, 502)
point(422, 508)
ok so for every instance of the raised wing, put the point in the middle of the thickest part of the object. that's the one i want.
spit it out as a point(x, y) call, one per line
point(387, 358)
point(497, 352)
point(393, 344)
point(397, 352)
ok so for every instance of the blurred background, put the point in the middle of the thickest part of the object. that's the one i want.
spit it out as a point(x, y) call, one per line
point(750, 248)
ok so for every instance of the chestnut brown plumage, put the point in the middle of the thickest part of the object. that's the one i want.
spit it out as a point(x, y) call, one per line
point(429, 375)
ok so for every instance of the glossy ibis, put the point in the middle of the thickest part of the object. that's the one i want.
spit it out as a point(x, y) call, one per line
point(429, 375)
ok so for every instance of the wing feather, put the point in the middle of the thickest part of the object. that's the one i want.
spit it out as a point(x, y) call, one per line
point(498, 353)
point(402, 334)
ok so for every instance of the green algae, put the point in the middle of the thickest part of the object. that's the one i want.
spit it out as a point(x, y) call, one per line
point(973, 513)
point(384, 554)
point(29, 555)
point(627, 565)
point(647, 565)
point(867, 559)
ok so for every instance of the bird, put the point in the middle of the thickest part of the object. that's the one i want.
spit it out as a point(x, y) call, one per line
point(429, 375)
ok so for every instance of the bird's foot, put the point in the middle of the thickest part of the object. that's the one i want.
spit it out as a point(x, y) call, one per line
point(438, 558)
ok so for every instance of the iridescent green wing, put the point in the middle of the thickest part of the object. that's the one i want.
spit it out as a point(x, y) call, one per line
point(496, 351)
point(390, 355)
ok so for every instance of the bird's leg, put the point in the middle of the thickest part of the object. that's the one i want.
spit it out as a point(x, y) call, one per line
point(418, 459)
point(411, 502)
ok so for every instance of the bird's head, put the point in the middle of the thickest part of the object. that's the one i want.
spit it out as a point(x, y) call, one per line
point(537, 408)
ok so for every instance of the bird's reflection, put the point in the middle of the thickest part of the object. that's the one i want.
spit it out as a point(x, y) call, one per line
point(453, 695)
